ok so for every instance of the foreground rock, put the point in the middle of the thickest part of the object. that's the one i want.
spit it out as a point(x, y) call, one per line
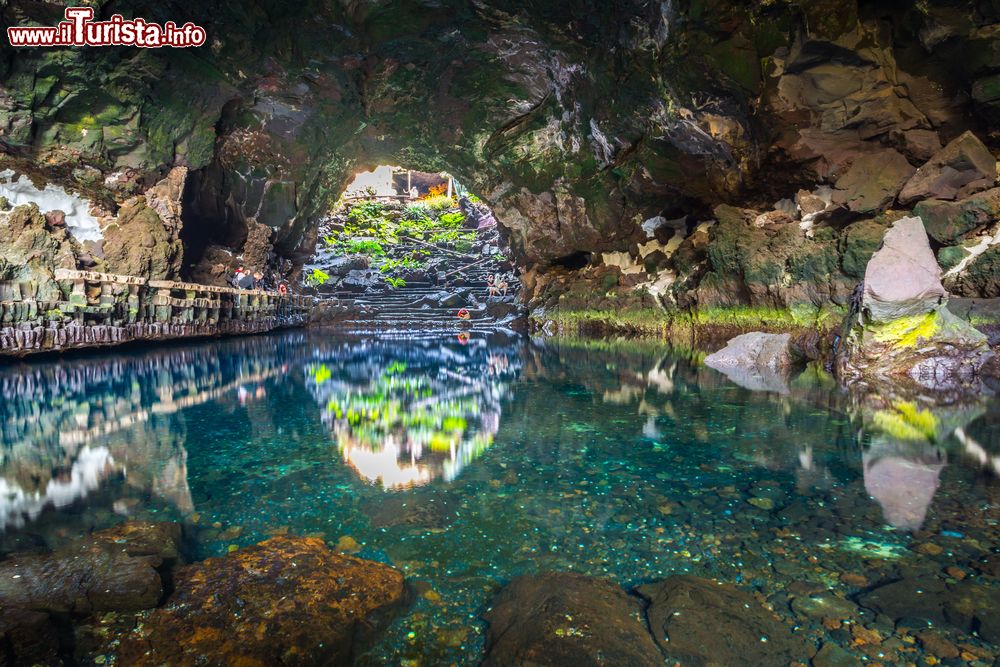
point(965, 606)
point(113, 570)
point(28, 638)
point(902, 326)
point(285, 601)
point(567, 619)
point(696, 621)
point(757, 361)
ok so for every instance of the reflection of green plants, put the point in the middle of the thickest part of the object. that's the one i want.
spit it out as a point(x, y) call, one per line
point(395, 368)
point(317, 277)
point(320, 374)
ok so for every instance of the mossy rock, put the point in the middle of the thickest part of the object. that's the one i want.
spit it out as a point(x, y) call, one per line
point(950, 256)
point(949, 222)
point(982, 276)
point(858, 243)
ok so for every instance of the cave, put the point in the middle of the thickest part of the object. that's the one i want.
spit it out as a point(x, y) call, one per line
point(435, 332)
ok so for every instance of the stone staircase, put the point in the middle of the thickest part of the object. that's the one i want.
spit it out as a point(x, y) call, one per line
point(430, 301)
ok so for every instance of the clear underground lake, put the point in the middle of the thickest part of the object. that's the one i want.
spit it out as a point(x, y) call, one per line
point(467, 463)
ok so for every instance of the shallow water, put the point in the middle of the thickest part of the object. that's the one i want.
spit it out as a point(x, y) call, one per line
point(466, 464)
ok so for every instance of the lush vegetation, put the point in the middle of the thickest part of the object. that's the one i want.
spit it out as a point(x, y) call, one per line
point(396, 240)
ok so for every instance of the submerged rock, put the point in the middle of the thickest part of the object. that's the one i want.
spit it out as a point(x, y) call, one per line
point(965, 606)
point(701, 622)
point(567, 619)
point(113, 570)
point(757, 361)
point(285, 601)
point(27, 638)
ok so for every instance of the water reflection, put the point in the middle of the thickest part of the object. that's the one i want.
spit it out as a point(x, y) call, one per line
point(468, 464)
point(110, 429)
point(404, 415)
point(902, 444)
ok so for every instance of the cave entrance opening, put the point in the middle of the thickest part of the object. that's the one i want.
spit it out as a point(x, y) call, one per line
point(406, 249)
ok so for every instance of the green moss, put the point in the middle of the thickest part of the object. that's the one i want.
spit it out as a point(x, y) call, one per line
point(907, 331)
point(951, 256)
point(858, 243)
point(737, 59)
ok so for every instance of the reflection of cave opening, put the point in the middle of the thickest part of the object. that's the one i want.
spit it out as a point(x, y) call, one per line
point(408, 415)
point(417, 249)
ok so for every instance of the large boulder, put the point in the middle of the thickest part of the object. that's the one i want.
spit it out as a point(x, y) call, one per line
point(286, 601)
point(700, 622)
point(567, 619)
point(113, 570)
point(873, 181)
point(903, 327)
point(756, 360)
point(902, 277)
point(947, 222)
point(139, 243)
point(965, 165)
point(30, 252)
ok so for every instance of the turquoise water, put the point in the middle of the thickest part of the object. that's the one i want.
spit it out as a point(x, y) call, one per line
point(465, 464)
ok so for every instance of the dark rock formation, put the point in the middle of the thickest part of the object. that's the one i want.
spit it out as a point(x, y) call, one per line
point(873, 181)
point(287, 601)
point(963, 166)
point(700, 622)
point(577, 121)
point(567, 619)
point(965, 605)
point(114, 570)
point(27, 638)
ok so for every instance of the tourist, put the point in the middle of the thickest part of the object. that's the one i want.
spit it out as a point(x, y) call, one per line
point(237, 277)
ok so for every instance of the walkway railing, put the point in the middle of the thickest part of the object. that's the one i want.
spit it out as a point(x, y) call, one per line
point(96, 309)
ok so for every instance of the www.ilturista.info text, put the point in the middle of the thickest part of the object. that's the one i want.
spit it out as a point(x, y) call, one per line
point(79, 29)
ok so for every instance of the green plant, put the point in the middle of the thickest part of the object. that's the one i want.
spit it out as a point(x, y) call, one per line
point(452, 219)
point(438, 203)
point(368, 213)
point(317, 277)
point(394, 264)
point(364, 247)
point(395, 283)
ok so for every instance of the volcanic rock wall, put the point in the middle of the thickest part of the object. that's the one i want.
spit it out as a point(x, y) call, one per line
point(583, 123)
